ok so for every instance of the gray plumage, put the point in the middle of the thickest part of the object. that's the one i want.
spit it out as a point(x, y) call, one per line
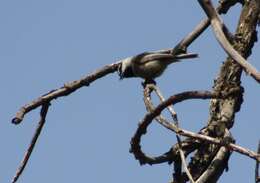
point(149, 65)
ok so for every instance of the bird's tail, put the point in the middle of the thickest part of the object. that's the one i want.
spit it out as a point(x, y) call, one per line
point(186, 56)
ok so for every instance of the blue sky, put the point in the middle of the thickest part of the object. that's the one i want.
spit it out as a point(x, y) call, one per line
point(44, 44)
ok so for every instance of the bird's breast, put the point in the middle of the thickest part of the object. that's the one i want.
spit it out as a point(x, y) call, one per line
point(149, 70)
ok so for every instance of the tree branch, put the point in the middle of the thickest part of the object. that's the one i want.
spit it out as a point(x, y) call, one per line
point(64, 91)
point(217, 25)
point(183, 160)
point(142, 128)
point(43, 113)
point(217, 162)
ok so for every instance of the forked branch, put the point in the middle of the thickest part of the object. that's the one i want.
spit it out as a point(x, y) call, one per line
point(43, 114)
point(218, 25)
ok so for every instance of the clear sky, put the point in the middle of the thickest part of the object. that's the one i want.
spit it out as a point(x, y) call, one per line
point(44, 44)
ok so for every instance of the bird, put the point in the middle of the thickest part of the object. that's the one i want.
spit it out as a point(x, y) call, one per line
point(149, 65)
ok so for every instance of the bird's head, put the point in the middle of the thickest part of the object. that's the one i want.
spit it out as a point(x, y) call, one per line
point(125, 68)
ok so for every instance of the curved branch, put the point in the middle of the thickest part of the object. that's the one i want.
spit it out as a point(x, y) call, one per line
point(187, 146)
point(141, 130)
point(217, 25)
point(135, 147)
point(143, 125)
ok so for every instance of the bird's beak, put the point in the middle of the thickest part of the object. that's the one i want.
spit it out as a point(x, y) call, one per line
point(119, 71)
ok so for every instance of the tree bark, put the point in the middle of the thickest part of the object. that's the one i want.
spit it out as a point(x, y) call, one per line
point(222, 111)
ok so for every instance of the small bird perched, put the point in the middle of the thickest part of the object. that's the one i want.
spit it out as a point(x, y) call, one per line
point(149, 65)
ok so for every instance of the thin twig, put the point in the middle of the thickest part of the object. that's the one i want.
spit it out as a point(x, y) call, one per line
point(257, 178)
point(161, 120)
point(150, 107)
point(170, 108)
point(43, 113)
point(217, 25)
point(200, 28)
point(184, 161)
point(175, 118)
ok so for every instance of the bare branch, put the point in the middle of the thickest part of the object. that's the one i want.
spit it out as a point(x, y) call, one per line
point(217, 25)
point(222, 112)
point(64, 91)
point(148, 103)
point(201, 27)
point(136, 148)
point(170, 108)
point(135, 142)
point(183, 160)
point(232, 147)
point(217, 162)
point(173, 153)
point(43, 113)
point(142, 128)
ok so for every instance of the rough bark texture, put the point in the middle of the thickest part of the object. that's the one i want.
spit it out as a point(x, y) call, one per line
point(222, 111)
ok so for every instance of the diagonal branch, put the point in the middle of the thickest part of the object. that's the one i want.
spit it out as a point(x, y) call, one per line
point(28, 153)
point(217, 162)
point(182, 46)
point(183, 160)
point(64, 91)
point(217, 25)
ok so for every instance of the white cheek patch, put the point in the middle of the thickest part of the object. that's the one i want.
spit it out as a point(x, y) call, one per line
point(126, 63)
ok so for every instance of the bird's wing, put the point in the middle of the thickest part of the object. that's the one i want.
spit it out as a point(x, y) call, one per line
point(156, 56)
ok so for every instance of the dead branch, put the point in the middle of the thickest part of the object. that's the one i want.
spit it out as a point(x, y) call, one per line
point(217, 25)
point(223, 153)
point(67, 89)
point(221, 156)
point(218, 160)
point(183, 160)
point(222, 111)
point(143, 125)
point(43, 113)
point(135, 142)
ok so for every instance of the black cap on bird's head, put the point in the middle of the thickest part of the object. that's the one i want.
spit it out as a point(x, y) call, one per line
point(125, 69)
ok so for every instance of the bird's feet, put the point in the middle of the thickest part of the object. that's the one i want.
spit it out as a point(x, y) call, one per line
point(147, 82)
